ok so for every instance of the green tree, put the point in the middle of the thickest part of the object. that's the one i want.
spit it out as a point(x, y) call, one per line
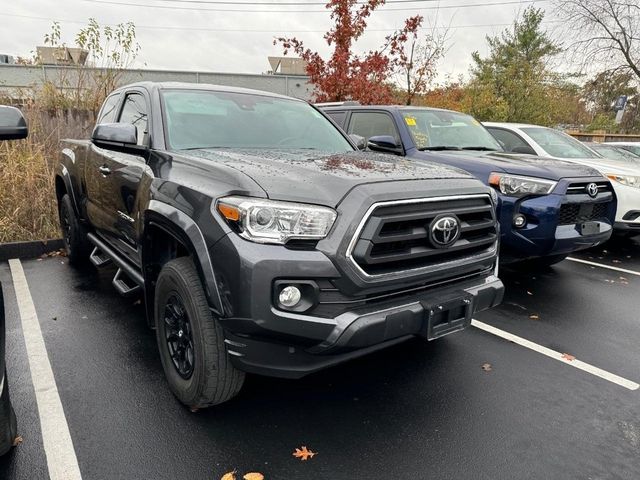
point(512, 83)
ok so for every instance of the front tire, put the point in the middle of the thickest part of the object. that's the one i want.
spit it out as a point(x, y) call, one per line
point(74, 234)
point(190, 339)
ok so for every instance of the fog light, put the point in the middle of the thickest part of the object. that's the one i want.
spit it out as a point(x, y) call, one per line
point(289, 296)
point(519, 221)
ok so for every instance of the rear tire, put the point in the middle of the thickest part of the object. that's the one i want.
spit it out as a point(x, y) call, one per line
point(74, 235)
point(190, 339)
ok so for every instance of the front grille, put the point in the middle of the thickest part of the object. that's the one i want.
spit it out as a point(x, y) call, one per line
point(396, 235)
point(581, 187)
point(572, 213)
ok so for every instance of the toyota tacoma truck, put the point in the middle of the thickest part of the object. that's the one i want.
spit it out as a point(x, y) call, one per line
point(263, 241)
point(546, 209)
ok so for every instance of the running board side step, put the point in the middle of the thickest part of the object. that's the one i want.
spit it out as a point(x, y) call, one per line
point(128, 280)
point(98, 259)
point(122, 284)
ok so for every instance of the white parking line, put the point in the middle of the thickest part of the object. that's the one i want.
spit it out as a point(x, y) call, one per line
point(602, 265)
point(623, 382)
point(56, 439)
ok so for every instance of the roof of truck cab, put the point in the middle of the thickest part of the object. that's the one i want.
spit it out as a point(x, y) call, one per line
point(202, 86)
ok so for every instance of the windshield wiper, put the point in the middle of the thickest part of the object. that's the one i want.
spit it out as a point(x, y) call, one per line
point(482, 149)
point(438, 148)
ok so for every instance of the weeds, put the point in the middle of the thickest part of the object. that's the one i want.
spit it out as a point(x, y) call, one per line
point(28, 207)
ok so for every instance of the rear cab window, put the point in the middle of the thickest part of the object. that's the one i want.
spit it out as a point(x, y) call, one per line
point(109, 109)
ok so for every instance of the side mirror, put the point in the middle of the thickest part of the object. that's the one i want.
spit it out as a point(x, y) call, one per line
point(13, 126)
point(115, 135)
point(526, 149)
point(384, 143)
point(361, 142)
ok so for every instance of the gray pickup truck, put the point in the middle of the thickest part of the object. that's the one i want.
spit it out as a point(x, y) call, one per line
point(263, 241)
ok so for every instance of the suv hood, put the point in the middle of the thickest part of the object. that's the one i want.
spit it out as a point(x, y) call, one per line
point(529, 165)
point(320, 178)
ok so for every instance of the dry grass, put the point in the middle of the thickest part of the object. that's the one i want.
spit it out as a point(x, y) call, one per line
point(28, 209)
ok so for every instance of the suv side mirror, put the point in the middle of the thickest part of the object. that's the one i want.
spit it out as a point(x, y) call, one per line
point(360, 142)
point(526, 149)
point(384, 143)
point(13, 126)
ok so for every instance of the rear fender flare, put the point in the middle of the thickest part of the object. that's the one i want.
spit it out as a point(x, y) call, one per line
point(64, 174)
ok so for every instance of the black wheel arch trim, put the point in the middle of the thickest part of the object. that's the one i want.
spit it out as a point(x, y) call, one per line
point(185, 230)
point(64, 174)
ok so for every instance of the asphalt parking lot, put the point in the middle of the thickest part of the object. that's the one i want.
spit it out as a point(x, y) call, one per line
point(472, 405)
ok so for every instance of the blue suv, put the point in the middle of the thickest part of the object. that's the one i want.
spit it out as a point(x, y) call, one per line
point(547, 208)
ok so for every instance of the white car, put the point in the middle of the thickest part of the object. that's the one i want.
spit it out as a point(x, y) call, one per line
point(550, 143)
point(633, 147)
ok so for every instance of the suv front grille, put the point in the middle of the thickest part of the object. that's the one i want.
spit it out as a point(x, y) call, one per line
point(581, 187)
point(396, 235)
point(572, 213)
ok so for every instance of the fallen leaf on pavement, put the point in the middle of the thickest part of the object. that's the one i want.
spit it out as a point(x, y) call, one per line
point(17, 441)
point(568, 356)
point(303, 453)
point(534, 317)
point(229, 476)
point(253, 476)
point(486, 367)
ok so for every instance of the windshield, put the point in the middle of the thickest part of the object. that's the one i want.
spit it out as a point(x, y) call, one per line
point(615, 153)
point(210, 119)
point(435, 129)
point(558, 144)
point(630, 148)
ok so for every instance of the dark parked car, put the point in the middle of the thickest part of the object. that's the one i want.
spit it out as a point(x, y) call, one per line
point(12, 127)
point(263, 241)
point(547, 209)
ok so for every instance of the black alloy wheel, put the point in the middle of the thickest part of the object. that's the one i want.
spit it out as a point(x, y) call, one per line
point(179, 336)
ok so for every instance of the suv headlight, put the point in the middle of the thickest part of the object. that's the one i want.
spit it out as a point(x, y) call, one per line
point(628, 180)
point(270, 221)
point(516, 186)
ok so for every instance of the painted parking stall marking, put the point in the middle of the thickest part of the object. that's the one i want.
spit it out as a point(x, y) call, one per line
point(598, 372)
point(602, 265)
point(56, 439)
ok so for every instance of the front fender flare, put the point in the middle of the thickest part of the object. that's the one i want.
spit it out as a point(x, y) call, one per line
point(184, 229)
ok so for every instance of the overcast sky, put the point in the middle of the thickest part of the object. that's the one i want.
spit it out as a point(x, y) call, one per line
point(199, 35)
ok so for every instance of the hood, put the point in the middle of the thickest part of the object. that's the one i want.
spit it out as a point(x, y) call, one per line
point(314, 177)
point(529, 165)
point(608, 165)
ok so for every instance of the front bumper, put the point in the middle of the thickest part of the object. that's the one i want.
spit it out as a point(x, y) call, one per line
point(628, 214)
point(543, 235)
point(355, 332)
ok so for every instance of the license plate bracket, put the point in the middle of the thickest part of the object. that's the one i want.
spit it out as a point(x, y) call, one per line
point(448, 316)
point(589, 228)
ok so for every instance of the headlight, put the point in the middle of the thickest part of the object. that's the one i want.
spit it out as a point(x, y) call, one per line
point(516, 186)
point(270, 221)
point(628, 180)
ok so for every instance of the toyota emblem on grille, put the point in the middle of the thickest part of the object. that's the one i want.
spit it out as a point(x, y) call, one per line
point(592, 190)
point(444, 231)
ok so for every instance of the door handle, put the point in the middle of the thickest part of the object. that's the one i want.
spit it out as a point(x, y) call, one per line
point(104, 170)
